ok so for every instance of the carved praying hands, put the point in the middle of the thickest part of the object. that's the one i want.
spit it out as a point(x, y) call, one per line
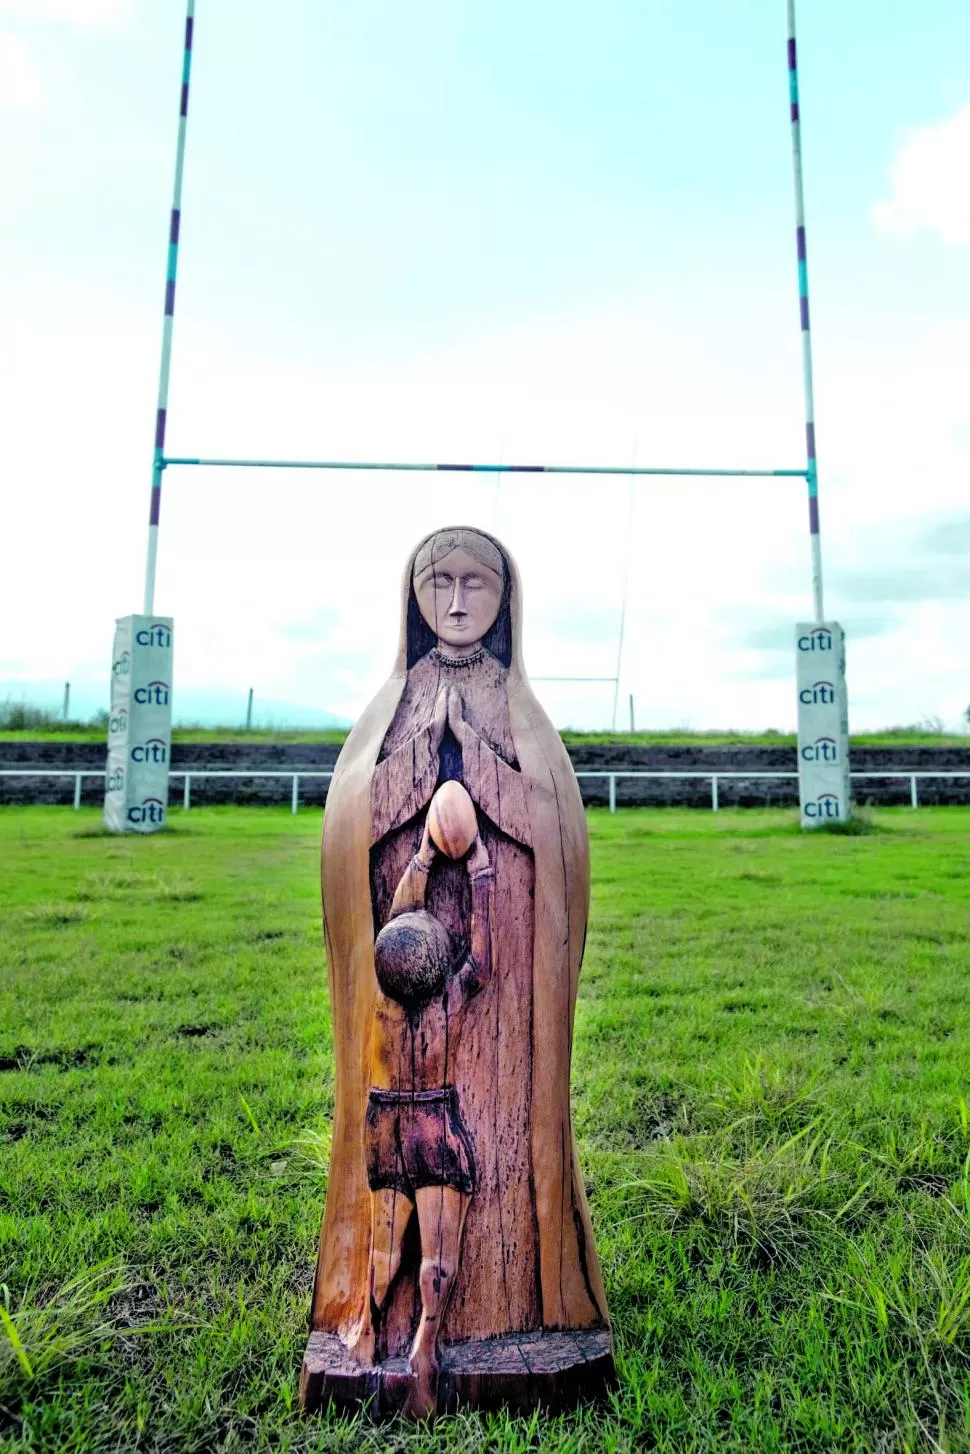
point(449, 712)
point(441, 718)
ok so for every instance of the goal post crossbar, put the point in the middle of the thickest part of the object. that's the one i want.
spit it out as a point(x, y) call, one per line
point(484, 469)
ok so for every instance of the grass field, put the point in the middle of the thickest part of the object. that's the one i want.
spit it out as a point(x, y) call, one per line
point(771, 1070)
point(673, 737)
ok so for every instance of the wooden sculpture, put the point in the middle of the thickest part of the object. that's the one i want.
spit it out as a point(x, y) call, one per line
point(456, 1263)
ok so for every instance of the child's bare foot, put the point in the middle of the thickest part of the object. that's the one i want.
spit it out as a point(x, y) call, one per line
point(422, 1400)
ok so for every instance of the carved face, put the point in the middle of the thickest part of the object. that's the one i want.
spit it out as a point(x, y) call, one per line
point(459, 598)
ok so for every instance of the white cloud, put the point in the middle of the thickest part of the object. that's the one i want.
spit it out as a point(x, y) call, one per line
point(929, 179)
point(71, 12)
point(20, 83)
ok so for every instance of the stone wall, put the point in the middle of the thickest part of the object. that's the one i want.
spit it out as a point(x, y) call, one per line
point(612, 757)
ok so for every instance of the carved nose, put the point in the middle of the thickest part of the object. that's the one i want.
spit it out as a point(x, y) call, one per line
point(457, 607)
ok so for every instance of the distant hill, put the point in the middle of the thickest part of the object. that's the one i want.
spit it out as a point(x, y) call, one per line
point(195, 706)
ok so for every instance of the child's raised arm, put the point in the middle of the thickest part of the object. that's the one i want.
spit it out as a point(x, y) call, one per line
point(411, 892)
point(476, 972)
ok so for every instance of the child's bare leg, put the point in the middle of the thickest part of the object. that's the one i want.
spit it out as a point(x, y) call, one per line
point(390, 1213)
point(441, 1221)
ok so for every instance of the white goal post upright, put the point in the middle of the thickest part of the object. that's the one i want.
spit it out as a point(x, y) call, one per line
point(168, 317)
point(140, 717)
point(824, 786)
point(804, 319)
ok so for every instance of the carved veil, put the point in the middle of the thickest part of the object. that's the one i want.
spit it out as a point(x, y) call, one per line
point(529, 1261)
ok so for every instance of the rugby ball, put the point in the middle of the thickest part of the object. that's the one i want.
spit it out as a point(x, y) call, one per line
point(451, 820)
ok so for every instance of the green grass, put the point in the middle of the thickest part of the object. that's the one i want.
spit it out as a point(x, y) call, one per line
point(91, 732)
point(677, 737)
point(662, 737)
point(771, 1075)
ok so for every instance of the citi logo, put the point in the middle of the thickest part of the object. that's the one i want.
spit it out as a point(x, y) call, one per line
point(826, 805)
point(823, 749)
point(150, 810)
point(811, 696)
point(157, 634)
point(122, 666)
point(154, 695)
point(118, 722)
point(154, 750)
point(116, 780)
point(817, 640)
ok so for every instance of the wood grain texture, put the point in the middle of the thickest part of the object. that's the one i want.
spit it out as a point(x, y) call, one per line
point(504, 1250)
point(554, 1371)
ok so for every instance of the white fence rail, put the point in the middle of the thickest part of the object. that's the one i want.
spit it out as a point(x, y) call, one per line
point(188, 776)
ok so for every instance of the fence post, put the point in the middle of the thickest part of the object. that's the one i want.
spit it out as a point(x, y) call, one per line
point(612, 792)
point(913, 791)
point(296, 792)
point(77, 791)
point(187, 792)
point(713, 792)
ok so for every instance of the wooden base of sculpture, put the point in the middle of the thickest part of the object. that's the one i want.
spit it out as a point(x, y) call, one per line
point(554, 1370)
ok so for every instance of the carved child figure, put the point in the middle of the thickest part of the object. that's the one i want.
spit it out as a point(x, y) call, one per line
point(418, 1151)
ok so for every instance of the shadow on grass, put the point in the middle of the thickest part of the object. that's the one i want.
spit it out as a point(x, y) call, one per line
point(861, 823)
point(40, 1336)
point(98, 830)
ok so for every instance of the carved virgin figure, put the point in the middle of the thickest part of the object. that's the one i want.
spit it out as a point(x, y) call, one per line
point(456, 1261)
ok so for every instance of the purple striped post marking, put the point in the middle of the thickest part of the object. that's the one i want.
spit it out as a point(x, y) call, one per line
point(168, 318)
point(811, 473)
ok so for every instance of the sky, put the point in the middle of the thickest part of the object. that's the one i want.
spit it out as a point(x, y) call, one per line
point(551, 232)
